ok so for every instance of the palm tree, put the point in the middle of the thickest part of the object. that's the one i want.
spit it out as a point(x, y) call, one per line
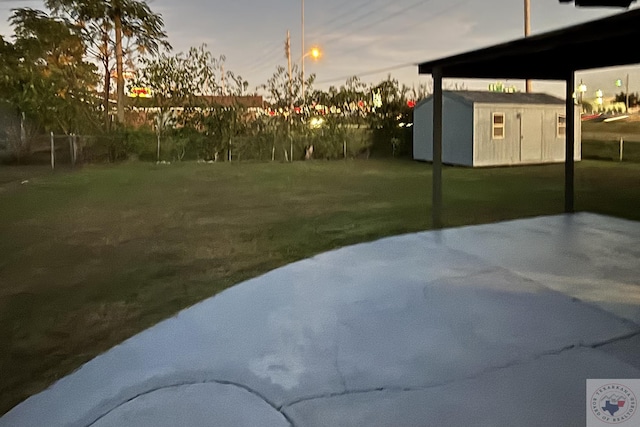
point(105, 23)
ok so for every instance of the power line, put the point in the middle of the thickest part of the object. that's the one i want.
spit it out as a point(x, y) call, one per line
point(262, 62)
point(385, 18)
point(268, 56)
point(400, 66)
point(335, 23)
point(419, 23)
point(369, 73)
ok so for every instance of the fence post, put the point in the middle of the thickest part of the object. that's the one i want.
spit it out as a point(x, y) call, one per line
point(621, 148)
point(70, 137)
point(75, 149)
point(344, 148)
point(53, 153)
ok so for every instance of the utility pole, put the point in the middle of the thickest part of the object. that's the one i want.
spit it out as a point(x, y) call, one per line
point(626, 91)
point(303, 53)
point(287, 47)
point(527, 31)
point(287, 52)
point(222, 79)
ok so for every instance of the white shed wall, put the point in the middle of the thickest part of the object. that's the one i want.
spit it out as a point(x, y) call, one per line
point(531, 135)
point(422, 133)
point(457, 132)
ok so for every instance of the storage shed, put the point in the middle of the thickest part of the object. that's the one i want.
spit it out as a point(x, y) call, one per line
point(495, 128)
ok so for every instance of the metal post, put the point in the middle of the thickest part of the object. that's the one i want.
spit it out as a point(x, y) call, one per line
point(436, 204)
point(569, 145)
point(53, 153)
point(291, 109)
point(621, 147)
point(302, 60)
point(527, 31)
point(626, 92)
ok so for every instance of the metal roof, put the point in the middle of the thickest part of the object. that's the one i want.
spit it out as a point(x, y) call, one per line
point(550, 56)
point(485, 97)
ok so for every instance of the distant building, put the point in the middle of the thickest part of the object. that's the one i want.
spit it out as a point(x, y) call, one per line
point(495, 128)
point(144, 109)
point(249, 102)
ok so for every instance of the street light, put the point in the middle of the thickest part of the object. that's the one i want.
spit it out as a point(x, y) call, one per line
point(582, 88)
point(315, 54)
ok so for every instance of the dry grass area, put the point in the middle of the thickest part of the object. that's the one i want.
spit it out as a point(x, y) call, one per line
point(90, 257)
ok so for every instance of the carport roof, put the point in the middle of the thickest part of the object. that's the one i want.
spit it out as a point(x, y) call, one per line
point(602, 43)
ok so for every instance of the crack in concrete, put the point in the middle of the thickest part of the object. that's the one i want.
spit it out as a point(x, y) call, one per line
point(481, 373)
point(187, 383)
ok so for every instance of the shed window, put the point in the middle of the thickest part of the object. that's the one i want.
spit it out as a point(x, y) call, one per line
point(562, 125)
point(498, 126)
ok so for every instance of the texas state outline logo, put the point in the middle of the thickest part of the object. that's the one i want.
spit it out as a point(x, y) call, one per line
point(612, 402)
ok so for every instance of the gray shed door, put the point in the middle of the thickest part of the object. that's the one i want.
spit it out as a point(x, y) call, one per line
point(530, 136)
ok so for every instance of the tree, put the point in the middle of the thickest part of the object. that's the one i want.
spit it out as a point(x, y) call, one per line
point(190, 81)
point(105, 24)
point(46, 79)
point(633, 98)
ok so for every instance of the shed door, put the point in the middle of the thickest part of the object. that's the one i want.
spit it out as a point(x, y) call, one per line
point(531, 136)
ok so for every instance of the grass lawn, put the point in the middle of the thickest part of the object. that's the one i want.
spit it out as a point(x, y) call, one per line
point(91, 257)
point(601, 141)
point(629, 130)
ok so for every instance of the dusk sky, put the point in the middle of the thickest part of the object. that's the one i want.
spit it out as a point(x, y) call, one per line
point(362, 36)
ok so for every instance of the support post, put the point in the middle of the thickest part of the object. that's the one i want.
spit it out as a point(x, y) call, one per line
point(302, 60)
point(569, 145)
point(626, 95)
point(527, 31)
point(436, 203)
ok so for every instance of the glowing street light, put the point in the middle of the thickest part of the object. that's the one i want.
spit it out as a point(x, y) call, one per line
point(315, 54)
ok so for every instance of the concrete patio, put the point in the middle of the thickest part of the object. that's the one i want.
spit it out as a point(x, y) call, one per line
point(490, 325)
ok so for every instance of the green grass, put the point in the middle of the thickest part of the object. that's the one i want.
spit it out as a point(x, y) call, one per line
point(91, 257)
point(612, 131)
point(610, 150)
point(601, 141)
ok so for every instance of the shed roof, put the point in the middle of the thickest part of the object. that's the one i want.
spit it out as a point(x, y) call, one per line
point(477, 96)
point(550, 56)
point(485, 97)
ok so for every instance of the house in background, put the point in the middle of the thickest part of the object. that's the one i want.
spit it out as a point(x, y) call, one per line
point(495, 129)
